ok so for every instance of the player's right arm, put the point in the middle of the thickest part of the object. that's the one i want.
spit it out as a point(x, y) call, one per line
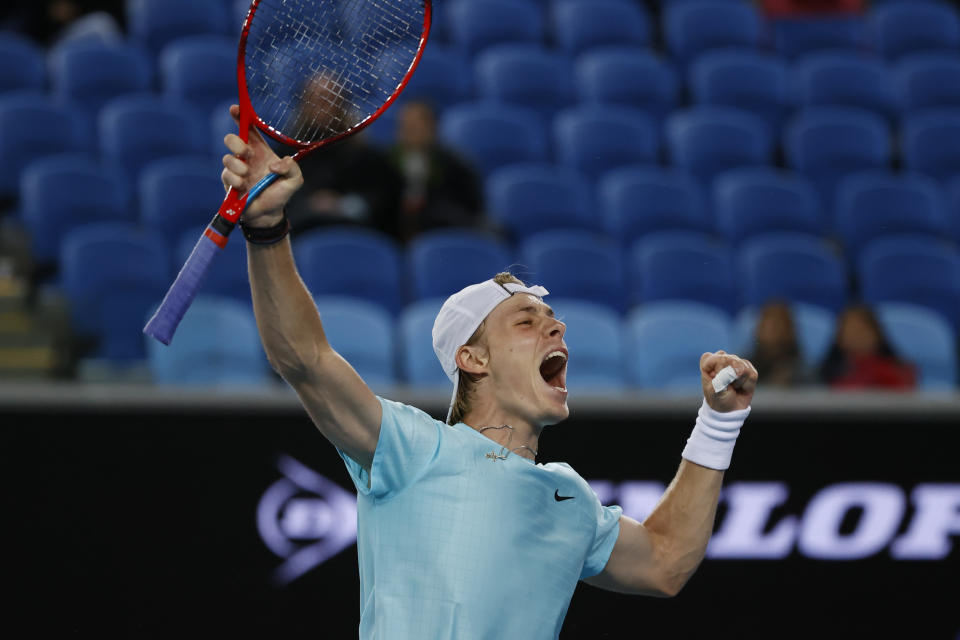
point(339, 402)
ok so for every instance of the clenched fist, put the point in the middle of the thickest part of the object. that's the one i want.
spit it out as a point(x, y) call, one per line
point(738, 393)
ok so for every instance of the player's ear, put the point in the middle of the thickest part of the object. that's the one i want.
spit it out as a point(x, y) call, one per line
point(473, 358)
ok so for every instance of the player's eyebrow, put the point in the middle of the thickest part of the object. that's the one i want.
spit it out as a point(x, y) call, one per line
point(536, 309)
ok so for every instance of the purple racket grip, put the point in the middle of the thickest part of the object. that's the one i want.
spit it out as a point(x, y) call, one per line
point(183, 290)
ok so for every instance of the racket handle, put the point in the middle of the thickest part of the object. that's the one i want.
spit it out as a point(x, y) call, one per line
point(183, 290)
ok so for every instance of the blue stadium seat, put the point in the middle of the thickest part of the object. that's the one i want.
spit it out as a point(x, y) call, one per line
point(952, 206)
point(573, 264)
point(594, 139)
point(594, 337)
point(635, 201)
point(494, 135)
point(363, 333)
point(155, 23)
point(814, 327)
point(419, 366)
point(228, 272)
point(898, 28)
point(924, 337)
point(89, 74)
point(579, 25)
point(179, 193)
point(826, 143)
point(749, 80)
point(526, 75)
point(443, 77)
point(877, 203)
point(61, 192)
point(690, 28)
point(23, 66)
point(473, 26)
point(792, 266)
point(923, 80)
point(682, 265)
point(629, 77)
point(198, 356)
point(843, 78)
point(200, 71)
point(668, 339)
point(748, 202)
point(112, 274)
point(525, 199)
point(139, 129)
point(796, 36)
point(708, 140)
point(929, 141)
point(34, 127)
point(443, 261)
point(353, 262)
point(912, 268)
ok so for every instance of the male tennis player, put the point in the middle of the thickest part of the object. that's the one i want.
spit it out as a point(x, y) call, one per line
point(460, 533)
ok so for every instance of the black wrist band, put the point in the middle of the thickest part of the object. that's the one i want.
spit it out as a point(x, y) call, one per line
point(266, 235)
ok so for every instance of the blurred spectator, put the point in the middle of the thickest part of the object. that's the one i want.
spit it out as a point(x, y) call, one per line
point(776, 352)
point(439, 188)
point(862, 358)
point(47, 21)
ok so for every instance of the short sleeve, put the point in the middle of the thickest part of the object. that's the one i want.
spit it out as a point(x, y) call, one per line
point(608, 528)
point(408, 443)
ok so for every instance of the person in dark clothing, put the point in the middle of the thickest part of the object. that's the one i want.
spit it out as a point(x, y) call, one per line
point(776, 351)
point(862, 358)
point(439, 188)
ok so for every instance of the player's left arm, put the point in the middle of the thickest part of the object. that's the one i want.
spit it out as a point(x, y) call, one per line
point(658, 556)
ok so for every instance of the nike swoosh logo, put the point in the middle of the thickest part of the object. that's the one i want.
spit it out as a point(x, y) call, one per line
point(560, 498)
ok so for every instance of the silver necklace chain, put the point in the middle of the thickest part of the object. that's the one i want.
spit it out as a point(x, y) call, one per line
point(504, 450)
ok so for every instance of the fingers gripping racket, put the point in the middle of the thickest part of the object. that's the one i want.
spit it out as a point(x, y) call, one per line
point(310, 73)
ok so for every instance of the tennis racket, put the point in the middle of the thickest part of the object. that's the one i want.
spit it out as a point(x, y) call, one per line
point(309, 73)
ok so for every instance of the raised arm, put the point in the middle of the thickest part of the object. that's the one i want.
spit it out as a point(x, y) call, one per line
point(658, 556)
point(339, 402)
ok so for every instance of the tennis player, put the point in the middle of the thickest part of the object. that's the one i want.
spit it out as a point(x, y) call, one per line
point(461, 534)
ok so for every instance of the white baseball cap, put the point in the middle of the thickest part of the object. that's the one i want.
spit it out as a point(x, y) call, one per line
point(460, 316)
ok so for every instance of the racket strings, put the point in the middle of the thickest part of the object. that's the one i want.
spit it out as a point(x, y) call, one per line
point(316, 69)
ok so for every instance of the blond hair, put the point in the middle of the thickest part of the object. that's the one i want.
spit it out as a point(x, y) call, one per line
point(468, 381)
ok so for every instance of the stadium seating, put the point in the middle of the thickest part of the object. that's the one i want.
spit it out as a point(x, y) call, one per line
point(690, 28)
point(494, 135)
point(229, 356)
point(952, 206)
point(708, 140)
point(179, 193)
point(443, 78)
point(61, 192)
point(227, 276)
point(473, 26)
point(573, 264)
point(594, 337)
point(923, 80)
point(594, 139)
point(525, 75)
point(153, 24)
point(34, 126)
point(362, 332)
point(749, 80)
point(527, 198)
point(443, 261)
point(843, 78)
point(925, 338)
point(200, 71)
point(898, 28)
point(798, 35)
point(930, 139)
point(23, 63)
point(664, 342)
point(629, 77)
point(682, 265)
point(751, 201)
point(876, 203)
point(912, 268)
point(88, 75)
point(351, 262)
point(419, 366)
point(814, 327)
point(113, 274)
point(579, 25)
point(794, 267)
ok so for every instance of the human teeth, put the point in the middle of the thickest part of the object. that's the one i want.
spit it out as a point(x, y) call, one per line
point(554, 354)
point(561, 389)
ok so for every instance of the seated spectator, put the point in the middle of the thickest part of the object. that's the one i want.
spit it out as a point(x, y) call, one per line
point(439, 188)
point(776, 352)
point(862, 358)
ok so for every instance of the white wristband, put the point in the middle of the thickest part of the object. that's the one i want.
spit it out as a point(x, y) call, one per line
point(711, 443)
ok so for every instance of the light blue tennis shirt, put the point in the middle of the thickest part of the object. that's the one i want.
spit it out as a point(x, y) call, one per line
point(454, 544)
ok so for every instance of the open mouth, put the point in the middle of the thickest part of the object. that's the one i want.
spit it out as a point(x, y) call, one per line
point(553, 370)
